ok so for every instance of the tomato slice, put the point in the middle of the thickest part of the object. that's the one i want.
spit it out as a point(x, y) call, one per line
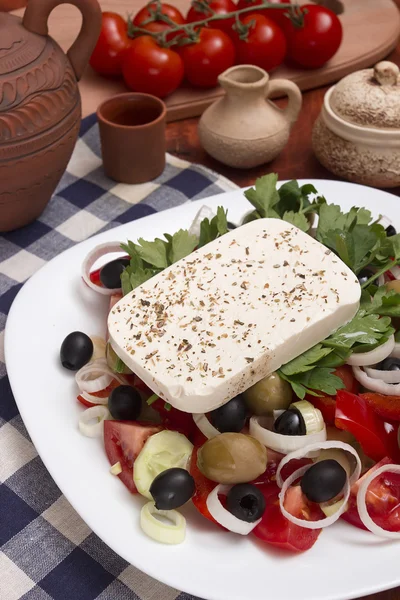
point(387, 407)
point(327, 404)
point(123, 440)
point(383, 500)
point(377, 437)
point(278, 531)
point(101, 394)
point(175, 419)
point(204, 487)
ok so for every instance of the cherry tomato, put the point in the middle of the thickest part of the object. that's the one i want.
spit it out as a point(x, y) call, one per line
point(275, 14)
point(206, 59)
point(327, 404)
point(278, 531)
point(315, 36)
point(220, 7)
point(157, 26)
point(112, 45)
point(265, 45)
point(383, 500)
point(151, 69)
point(377, 437)
point(123, 440)
point(387, 407)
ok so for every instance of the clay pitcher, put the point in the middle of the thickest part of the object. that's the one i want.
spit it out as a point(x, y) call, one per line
point(40, 106)
point(244, 129)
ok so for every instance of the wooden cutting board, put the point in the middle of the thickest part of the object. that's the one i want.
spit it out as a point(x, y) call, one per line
point(371, 29)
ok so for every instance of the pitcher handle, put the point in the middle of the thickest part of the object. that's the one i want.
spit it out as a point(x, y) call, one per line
point(37, 14)
point(292, 91)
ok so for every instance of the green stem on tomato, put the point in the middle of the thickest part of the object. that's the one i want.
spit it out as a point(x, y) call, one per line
point(381, 271)
point(188, 28)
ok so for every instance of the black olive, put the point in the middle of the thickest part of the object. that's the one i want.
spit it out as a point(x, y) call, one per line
point(390, 364)
point(124, 403)
point(364, 275)
point(290, 422)
point(110, 274)
point(246, 502)
point(390, 231)
point(323, 481)
point(231, 416)
point(172, 488)
point(76, 350)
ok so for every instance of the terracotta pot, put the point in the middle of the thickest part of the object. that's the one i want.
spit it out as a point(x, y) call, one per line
point(357, 135)
point(40, 108)
point(244, 129)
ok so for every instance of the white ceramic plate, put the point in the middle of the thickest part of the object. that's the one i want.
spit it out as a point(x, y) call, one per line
point(344, 563)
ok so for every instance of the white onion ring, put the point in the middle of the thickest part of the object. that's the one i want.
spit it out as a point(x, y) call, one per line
point(375, 385)
point(95, 400)
point(326, 521)
point(373, 357)
point(311, 449)
point(396, 351)
point(385, 221)
point(381, 280)
point(386, 376)
point(282, 443)
point(95, 254)
point(223, 516)
point(96, 376)
point(93, 429)
point(362, 504)
point(205, 212)
point(395, 271)
point(205, 426)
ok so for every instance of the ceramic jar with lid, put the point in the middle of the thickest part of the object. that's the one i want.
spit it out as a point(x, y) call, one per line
point(357, 135)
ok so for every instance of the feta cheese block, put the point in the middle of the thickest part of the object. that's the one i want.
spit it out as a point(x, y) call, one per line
point(216, 322)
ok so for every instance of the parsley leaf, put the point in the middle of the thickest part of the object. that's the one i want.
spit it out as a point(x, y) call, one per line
point(154, 253)
point(319, 379)
point(211, 230)
point(264, 196)
point(297, 219)
point(364, 329)
point(182, 244)
point(383, 303)
point(306, 361)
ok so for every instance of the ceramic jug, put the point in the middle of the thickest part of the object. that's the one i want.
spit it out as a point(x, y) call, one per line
point(40, 107)
point(244, 129)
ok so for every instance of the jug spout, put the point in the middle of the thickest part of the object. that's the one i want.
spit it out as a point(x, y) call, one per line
point(244, 79)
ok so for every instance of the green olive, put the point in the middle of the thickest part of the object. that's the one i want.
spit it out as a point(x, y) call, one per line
point(114, 362)
point(232, 458)
point(269, 394)
point(393, 285)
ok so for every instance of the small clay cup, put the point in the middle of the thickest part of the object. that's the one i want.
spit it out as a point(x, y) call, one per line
point(132, 133)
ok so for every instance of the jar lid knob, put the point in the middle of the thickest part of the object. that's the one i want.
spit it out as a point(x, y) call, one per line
point(386, 73)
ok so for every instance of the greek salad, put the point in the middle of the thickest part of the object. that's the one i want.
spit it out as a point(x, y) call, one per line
point(289, 450)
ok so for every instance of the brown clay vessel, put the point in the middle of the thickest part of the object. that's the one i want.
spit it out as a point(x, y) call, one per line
point(40, 107)
point(132, 134)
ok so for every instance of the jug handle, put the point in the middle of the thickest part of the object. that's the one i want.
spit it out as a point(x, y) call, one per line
point(292, 91)
point(37, 14)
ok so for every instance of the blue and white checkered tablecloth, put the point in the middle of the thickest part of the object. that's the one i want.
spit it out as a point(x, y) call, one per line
point(47, 551)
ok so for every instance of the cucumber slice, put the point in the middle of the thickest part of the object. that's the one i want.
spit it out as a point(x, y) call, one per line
point(162, 451)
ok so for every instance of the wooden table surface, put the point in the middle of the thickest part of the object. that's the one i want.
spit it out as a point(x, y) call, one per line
point(297, 161)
